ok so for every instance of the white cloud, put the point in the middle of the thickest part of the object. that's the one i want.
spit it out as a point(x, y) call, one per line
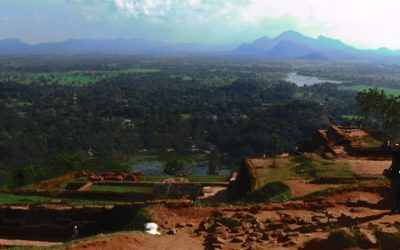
point(194, 2)
point(369, 23)
point(152, 8)
point(362, 22)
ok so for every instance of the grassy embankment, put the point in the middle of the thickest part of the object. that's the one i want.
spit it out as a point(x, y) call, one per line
point(308, 167)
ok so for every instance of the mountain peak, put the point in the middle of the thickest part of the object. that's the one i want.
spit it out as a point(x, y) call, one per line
point(12, 41)
point(291, 34)
point(292, 44)
point(12, 45)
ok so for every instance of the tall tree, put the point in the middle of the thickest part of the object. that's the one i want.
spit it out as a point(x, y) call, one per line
point(382, 109)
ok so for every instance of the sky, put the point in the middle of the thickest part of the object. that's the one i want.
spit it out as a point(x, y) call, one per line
point(360, 23)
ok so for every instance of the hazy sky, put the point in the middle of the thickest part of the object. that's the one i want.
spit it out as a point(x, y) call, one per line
point(361, 23)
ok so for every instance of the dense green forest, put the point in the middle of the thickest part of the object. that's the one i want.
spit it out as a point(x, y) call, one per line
point(62, 114)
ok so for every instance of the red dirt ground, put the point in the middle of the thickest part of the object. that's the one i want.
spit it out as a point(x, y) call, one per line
point(364, 209)
point(180, 241)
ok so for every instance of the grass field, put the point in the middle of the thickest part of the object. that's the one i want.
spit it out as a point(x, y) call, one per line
point(122, 189)
point(90, 202)
point(313, 166)
point(21, 199)
point(11, 199)
point(360, 88)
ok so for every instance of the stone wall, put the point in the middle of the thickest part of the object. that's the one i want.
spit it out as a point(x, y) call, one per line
point(177, 190)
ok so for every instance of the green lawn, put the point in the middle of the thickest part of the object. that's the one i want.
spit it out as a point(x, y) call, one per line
point(122, 189)
point(307, 167)
point(21, 199)
point(90, 202)
point(313, 166)
point(360, 88)
point(276, 169)
point(11, 199)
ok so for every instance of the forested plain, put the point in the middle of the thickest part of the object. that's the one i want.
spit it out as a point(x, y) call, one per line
point(65, 113)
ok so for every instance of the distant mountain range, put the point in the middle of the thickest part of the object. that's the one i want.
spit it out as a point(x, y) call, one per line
point(288, 45)
point(107, 46)
point(294, 45)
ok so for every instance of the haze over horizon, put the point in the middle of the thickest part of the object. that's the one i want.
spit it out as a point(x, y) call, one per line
point(362, 24)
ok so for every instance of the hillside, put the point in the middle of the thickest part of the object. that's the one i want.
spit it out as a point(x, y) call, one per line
point(294, 45)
